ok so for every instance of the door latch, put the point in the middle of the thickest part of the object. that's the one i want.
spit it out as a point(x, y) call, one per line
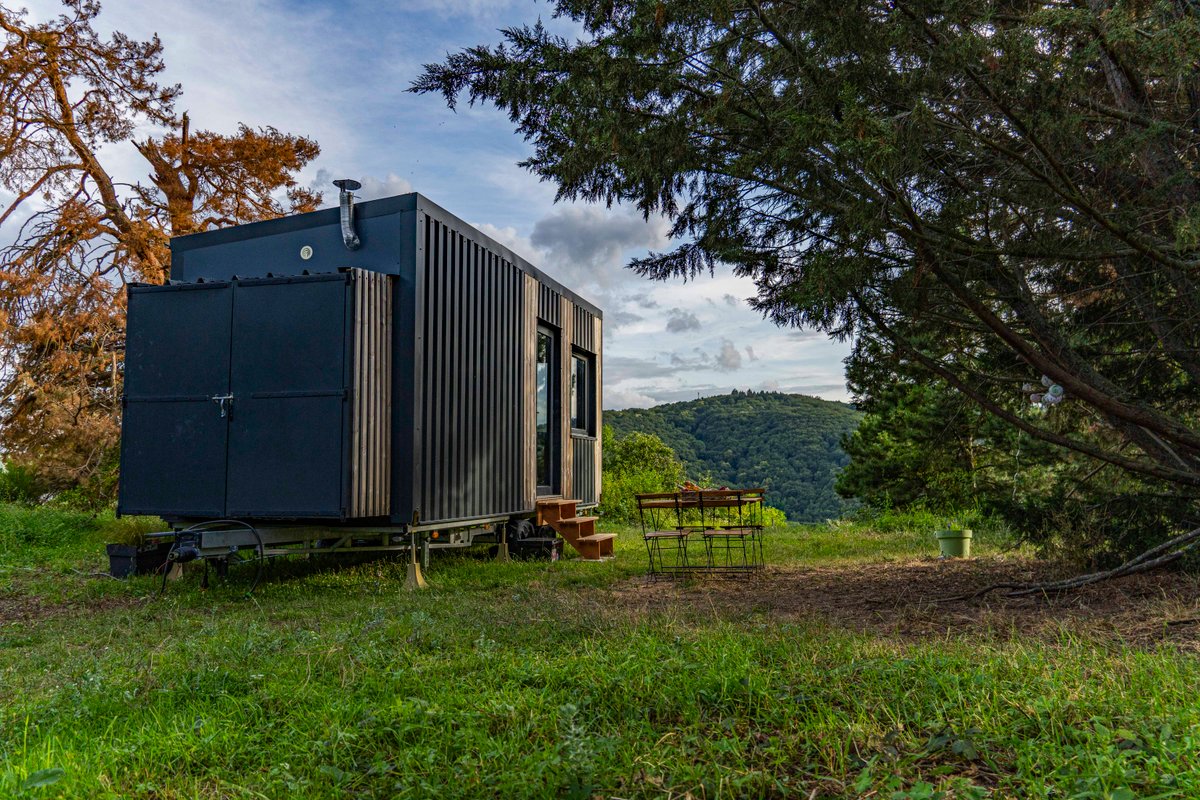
point(225, 403)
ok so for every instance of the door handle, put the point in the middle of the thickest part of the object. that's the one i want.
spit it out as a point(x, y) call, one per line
point(225, 403)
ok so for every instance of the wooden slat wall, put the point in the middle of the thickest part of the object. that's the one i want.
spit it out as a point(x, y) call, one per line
point(529, 318)
point(598, 343)
point(567, 320)
point(371, 399)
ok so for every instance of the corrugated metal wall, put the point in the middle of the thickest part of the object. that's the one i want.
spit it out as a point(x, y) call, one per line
point(550, 304)
point(472, 460)
point(582, 330)
point(584, 455)
point(371, 397)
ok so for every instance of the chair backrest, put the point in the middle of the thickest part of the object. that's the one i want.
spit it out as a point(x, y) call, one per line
point(656, 507)
point(701, 508)
point(656, 500)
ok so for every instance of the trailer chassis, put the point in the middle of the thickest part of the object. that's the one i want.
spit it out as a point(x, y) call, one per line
point(230, 542)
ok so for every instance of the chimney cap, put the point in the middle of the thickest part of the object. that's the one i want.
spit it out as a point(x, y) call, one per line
point(347, 184)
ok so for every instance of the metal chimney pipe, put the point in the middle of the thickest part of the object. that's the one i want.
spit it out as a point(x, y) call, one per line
point(346, 201)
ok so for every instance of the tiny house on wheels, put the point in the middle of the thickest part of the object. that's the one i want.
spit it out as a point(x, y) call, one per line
point(377, 376)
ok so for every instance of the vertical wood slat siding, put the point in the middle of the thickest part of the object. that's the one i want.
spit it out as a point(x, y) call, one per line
point(597, 459)
point(531, 311)
point(584, 452)
point(371, 397)
point(566, 465)
point(471, 465)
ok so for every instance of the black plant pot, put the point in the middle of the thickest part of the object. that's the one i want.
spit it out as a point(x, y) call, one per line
point(131, 559)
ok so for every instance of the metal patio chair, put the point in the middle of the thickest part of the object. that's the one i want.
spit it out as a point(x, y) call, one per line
point(733, 530)
point(666, 541)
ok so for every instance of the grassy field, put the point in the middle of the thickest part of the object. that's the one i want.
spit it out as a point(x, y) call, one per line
point(553, 680)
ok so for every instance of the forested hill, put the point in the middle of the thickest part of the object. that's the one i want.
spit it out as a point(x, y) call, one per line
point(788, 443)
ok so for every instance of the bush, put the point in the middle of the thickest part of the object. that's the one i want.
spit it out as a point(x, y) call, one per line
point(23, 525)
point(639, 463)
point(923, 520)
point(20, 484)
point(773, 518)
point(44, 526)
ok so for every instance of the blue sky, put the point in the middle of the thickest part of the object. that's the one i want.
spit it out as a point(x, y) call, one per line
point(337, 71)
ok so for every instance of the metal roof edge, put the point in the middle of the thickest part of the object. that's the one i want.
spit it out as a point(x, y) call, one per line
point(376, 208)
point(295, 222)
point(432, 209)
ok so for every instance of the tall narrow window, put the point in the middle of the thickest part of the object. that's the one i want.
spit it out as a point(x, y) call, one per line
point(546, 378)
point(582, 393)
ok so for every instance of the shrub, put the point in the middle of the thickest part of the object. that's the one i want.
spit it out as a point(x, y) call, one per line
point(635, 464)
point(20, 484)
point(773, 517)
point(45, 526)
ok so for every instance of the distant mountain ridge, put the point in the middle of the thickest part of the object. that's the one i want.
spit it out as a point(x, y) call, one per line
point(789, 443)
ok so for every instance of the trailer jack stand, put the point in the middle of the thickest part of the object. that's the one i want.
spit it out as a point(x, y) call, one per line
point(502, 548)
point(414, 579)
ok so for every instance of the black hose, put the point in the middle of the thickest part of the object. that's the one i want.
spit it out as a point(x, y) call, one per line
point(201, 526)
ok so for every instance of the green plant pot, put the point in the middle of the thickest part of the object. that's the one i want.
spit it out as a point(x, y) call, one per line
point(955, 543)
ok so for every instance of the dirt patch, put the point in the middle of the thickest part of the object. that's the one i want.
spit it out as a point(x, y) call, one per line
point(17, 609)
point(906, 599)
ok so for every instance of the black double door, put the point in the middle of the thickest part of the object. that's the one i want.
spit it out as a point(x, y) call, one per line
point(235, 399)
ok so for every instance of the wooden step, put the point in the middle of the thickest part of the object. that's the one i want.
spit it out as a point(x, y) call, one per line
point(550, 510)
point(578, 521)
point(574, 527)
point(596, 546)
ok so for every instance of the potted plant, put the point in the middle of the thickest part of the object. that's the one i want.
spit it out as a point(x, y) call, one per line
point(954, 541)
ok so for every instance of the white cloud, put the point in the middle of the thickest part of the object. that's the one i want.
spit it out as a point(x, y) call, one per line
point(387, 186)
point(627, 398)
point(589, 244)
point(680, 321)
point(729, 359)
point(373, 187)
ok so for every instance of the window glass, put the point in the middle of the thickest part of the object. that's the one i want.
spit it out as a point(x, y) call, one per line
point(580, 393)
point(544, 385)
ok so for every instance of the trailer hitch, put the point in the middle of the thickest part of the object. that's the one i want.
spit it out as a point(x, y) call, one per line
point(183, 552)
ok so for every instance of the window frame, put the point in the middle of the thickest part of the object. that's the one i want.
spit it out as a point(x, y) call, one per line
point(585, 394)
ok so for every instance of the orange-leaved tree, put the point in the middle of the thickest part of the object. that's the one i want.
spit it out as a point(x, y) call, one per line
point(73, 232)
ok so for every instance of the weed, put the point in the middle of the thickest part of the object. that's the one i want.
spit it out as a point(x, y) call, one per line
point(520, 680)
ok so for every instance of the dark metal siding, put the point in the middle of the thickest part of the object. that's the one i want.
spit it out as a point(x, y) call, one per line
point(582, 334)
point(470, 423)
point(463, 313)
point(584, 455)
point(549, 306)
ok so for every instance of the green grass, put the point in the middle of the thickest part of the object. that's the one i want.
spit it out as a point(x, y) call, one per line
point(529, 680)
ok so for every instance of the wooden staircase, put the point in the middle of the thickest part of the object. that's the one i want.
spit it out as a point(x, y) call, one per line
point(580, 532)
